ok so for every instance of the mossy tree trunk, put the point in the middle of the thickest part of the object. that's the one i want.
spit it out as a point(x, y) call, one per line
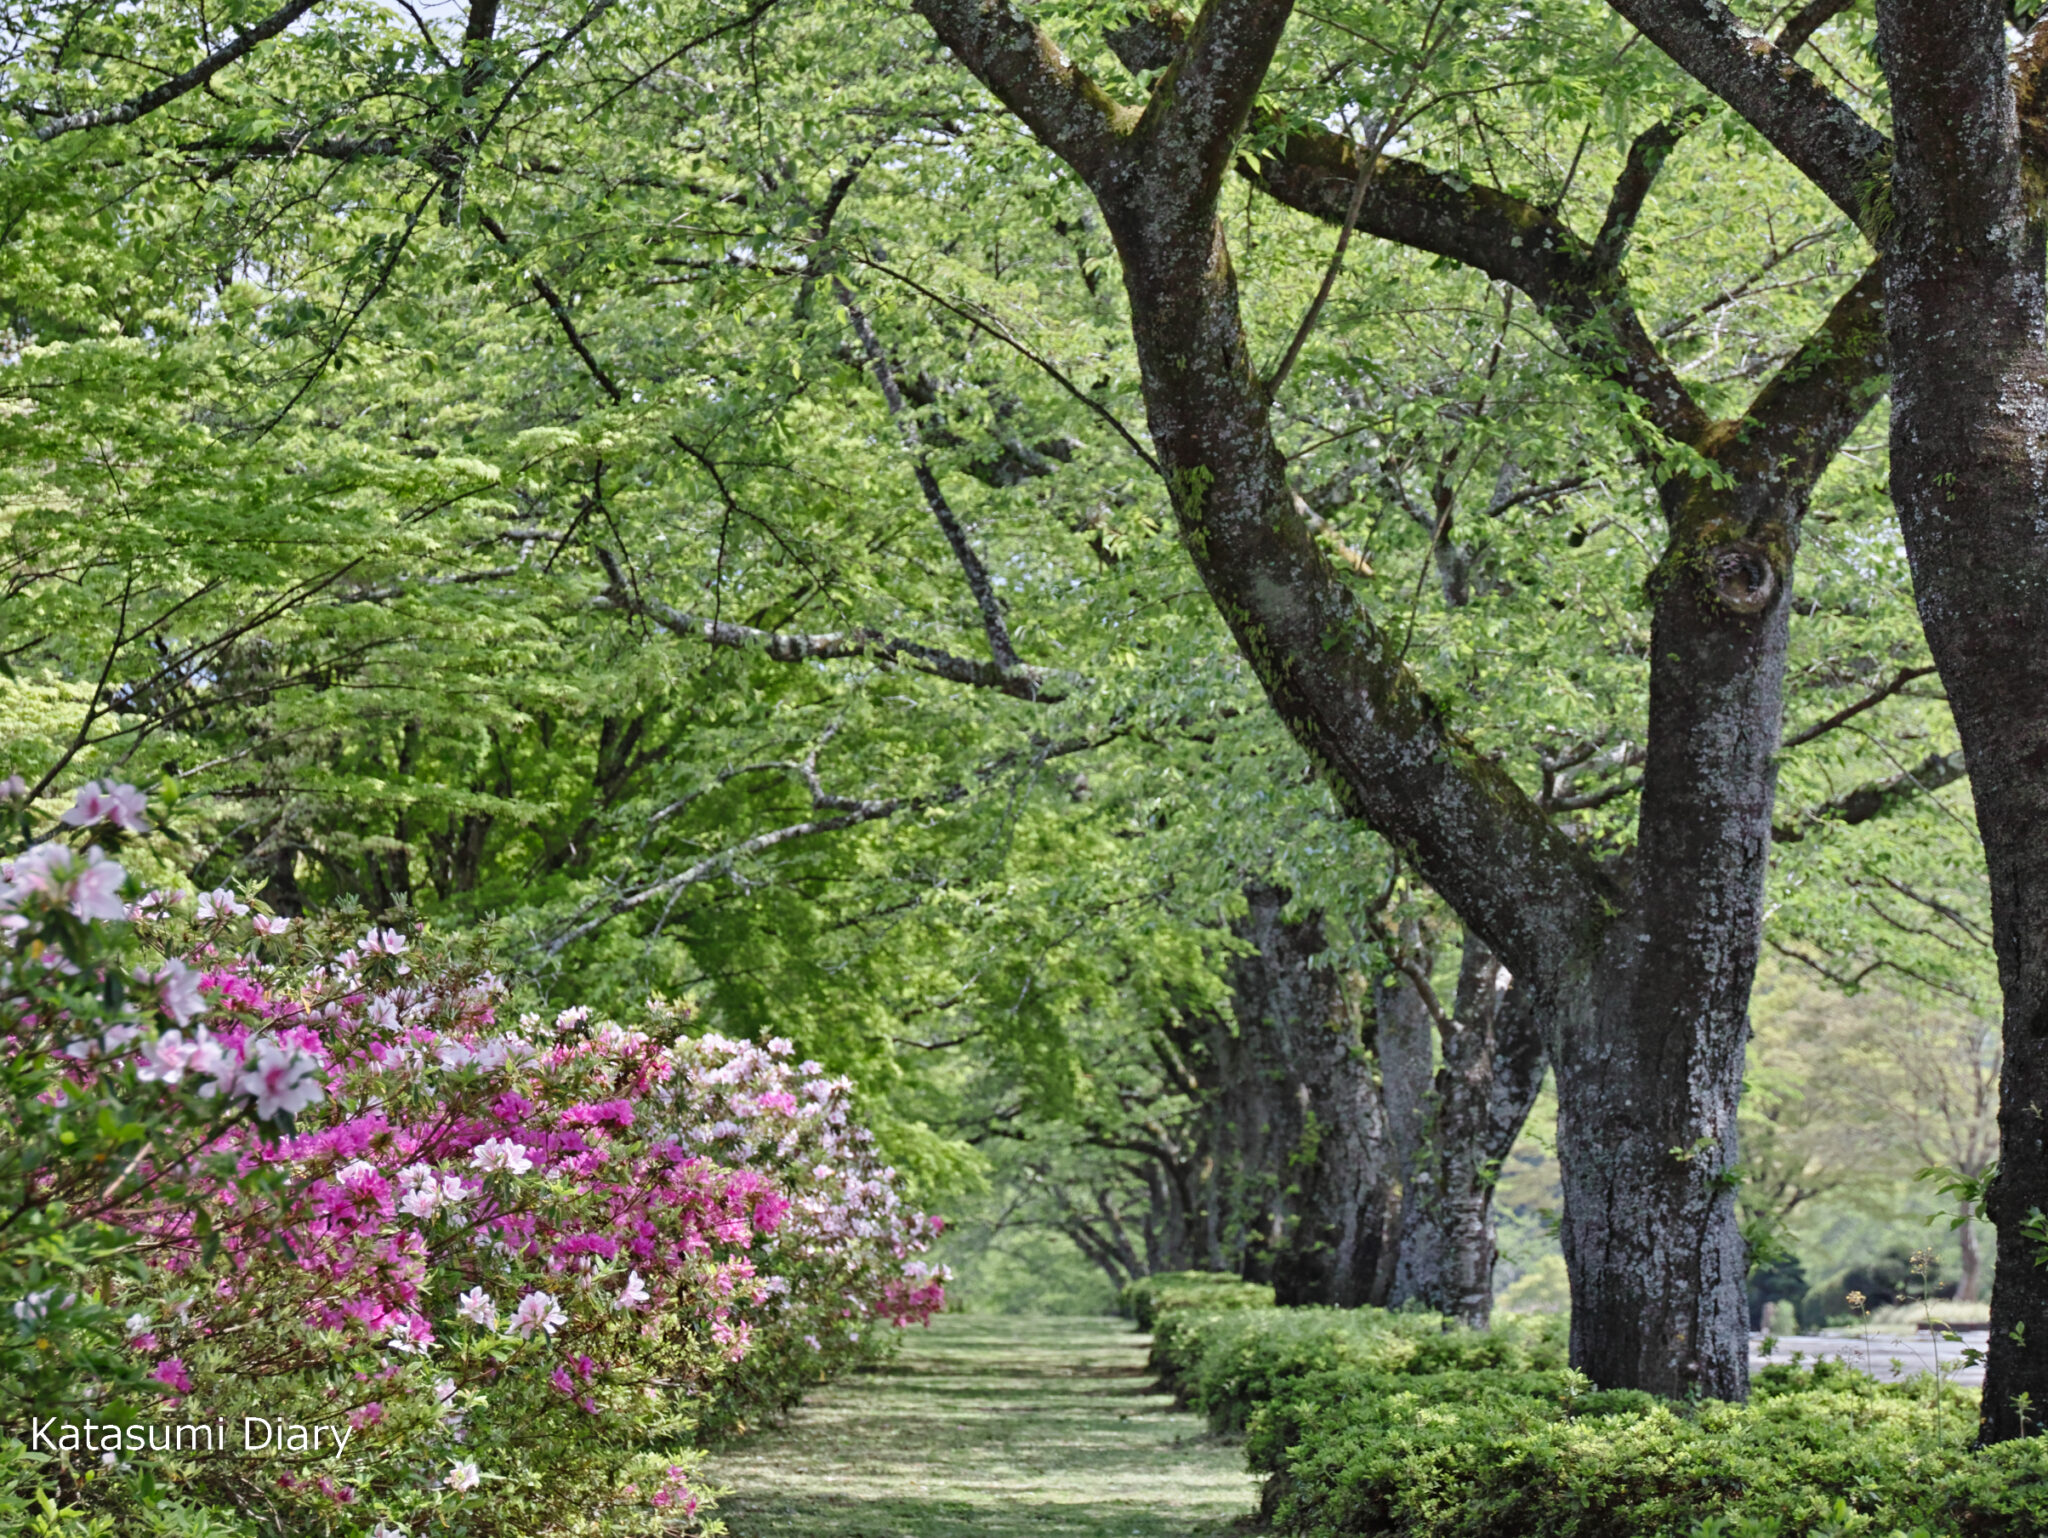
point(1964, 286)
point(1481, 1095)
point(1323, 1222)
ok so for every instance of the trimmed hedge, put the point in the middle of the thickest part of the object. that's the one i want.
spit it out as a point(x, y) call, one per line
point(1367, 1422)
point(1226, 1366)
point(1149, 1296)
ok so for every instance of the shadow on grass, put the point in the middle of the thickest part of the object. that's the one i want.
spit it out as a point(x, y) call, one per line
point(913, 1517)
point(995, 1428)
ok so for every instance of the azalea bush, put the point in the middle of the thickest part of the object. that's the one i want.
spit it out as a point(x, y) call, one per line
point(458, 1272)
point(1163, 1292)
point(91, 1128)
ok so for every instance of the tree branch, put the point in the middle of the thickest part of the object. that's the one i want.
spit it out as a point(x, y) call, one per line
point(1071, 115)
point(193, 78)
point(1877, 696)
point(1638, 175)
point(1200, 104)
point(1878, 798)
point(712, 865)
point(992, 622)
point(560, 311)
point(1820, 134)
point(1816, 14)
point(1806, 411)
point(1037, 685)
point(1002, 334)
point(1335, 678)
point(1507, 238)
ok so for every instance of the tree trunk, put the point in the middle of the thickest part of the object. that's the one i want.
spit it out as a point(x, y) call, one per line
point(1649, 1064)
point(1404, 1040)
point(1972, 1264)
point(1302, 1067)
point(1965, 305)
point(1492, 1070)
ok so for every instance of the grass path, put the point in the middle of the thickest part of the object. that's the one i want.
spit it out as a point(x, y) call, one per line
point(991, 1427)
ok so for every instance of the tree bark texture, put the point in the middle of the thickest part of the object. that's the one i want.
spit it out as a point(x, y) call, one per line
point(1639, 977)
point(1481, 1095)
point(1302, 1083)
point(1964, 292)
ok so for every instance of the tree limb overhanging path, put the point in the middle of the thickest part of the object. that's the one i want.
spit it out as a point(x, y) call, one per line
point(991, 1427)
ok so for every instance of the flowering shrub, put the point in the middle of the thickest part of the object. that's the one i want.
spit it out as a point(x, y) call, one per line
point(418, 1267)
point(91, 1130)
point(840, 1265)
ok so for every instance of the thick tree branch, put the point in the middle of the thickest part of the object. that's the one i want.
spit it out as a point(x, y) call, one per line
point(1820, 134)
point(1199, 106)
point(1805, 413)
point(191, 80)
point(1071, 115)
point(1796, 423)
point(1507, 238)
point(1149, 39)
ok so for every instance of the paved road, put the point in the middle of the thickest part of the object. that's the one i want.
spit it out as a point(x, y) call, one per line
point(992, 1427)
point(1882, 1356)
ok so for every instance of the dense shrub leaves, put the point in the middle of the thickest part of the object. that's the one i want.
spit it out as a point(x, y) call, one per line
point(1376, 1422)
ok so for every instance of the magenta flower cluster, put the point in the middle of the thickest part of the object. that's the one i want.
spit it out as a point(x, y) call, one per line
point(511, 1269)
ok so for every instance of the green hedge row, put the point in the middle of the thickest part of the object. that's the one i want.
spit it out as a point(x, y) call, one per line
point(1150, 1296)
point(1372, 1422)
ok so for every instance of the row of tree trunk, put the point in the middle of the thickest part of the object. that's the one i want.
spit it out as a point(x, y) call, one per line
point(1344, 1136)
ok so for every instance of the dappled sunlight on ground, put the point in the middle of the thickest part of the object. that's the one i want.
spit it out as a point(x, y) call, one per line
point(992, 1427)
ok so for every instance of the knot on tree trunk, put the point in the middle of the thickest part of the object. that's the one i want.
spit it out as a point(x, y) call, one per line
point(1744, 579)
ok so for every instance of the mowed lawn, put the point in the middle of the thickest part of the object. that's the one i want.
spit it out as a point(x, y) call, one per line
point(987, 1426)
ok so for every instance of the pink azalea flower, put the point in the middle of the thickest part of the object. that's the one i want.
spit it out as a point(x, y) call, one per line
point(500, 1154)
point(177, 987)
point(221, 904)
point(121, 805)
point(281, 1079)
point(538, 1311)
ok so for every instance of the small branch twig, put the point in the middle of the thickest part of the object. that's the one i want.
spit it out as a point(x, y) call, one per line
point(992, 622)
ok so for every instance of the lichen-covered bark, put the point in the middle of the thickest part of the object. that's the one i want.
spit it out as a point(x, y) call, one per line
point(1825, 139)
point(1970, 480)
